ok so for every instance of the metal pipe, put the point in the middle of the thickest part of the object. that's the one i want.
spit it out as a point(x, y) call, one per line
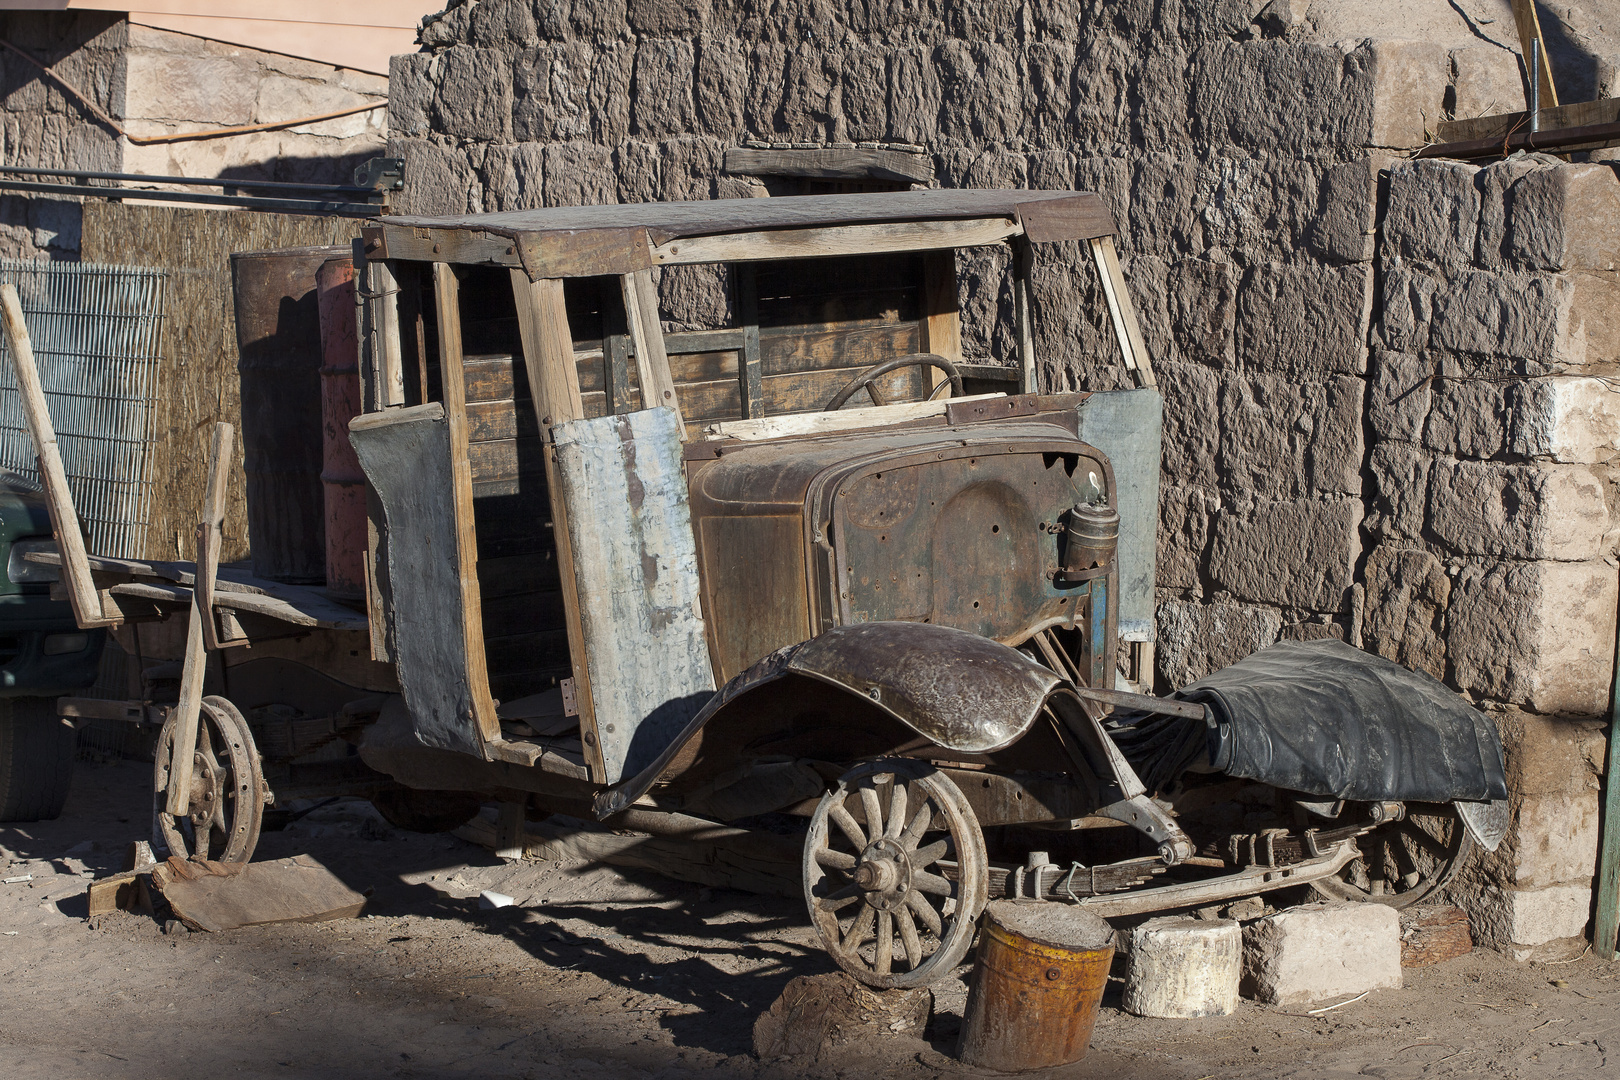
point(79, 174)
point(1500, 146)
point(291, 206)
point(1535, 84)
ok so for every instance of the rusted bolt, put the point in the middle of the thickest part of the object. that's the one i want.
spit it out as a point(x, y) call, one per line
point(1053, 974)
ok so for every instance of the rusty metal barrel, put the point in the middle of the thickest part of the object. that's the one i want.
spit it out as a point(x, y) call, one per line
point(1036, 984)
point(341, 477)
point(278, 337)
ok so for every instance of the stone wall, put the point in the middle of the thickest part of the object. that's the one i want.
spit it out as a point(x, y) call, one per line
point(156, 82)
point(1491, 513)
point(1382, 419)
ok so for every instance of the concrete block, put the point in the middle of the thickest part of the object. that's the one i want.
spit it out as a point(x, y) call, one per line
point(1551, 755)
point(1294, 554)
point(863, 85)
point(608, 96)
point(410, 92)
point(474, 95)
point(281, 98)
point(1163, 218)
point(1517, 921)
point(661, 88)
point(1342, 230)
point(1569, 419)
point(1487, 81)
point(577, 174)
point(1592, 334)
point(1398, 391)
point(446, 28)
point(513, 176)
point(1274, 94)
point(1304, 321)
point(1191, 423)
point(1538, 634)
point(1554, 838)
point(1408, 307)
point(1048, 76)
point(502, 24)
point(1319, 951)
point(811, 104)
point(914, 96)
point(1196, 638)
point(1433, 212)
point(551, 92)
point(667, 18)
point(1184, 967)
point(1565, 218)
point(722, 86)
point(591, 18)
point(1520, 316)
point(1201, 298)
point(1535, 511)
point(690, 167)
point(442, 181)
point(1407, 592)
point(1496, 187)
point(1183, 538)
point(981, 94)
point(1099, 113)
point(639, 168)
point(1283, 439)
point(1468, 418)
point(1408, 86)
point(162, 85)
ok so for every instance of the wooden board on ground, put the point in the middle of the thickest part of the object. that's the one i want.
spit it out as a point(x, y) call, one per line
point(1432, 934)
point(216, 896)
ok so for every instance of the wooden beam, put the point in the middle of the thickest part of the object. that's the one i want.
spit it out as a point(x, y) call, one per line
point(453, 388)
point(384, 289)
point(1501, 125)
point(837, 240)
point(1529, 25)
point(749, 388)
point(941, 321)
point(87, 609)
point(1023, 314)
point(183, 747)
point(548, 358)
point(210, 534)
point(832, 164)
point(647, 336)
point(1131, 346)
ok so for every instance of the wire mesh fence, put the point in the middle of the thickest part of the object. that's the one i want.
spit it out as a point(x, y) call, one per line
point(97, 335)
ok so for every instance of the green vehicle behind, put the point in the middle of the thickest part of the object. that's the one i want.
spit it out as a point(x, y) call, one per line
point(43, 654)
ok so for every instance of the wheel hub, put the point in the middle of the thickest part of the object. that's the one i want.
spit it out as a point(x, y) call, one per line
point(883, 873)
point(204, 791)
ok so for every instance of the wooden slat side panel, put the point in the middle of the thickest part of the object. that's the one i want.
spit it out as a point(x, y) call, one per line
point(797, 393)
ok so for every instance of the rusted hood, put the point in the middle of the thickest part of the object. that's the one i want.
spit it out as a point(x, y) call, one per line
point(959, 690)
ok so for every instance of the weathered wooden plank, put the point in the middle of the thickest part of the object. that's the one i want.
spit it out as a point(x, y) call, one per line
point(1532, 44)
point(324, 615)
point(208, 533)
point(1132, 348)
point(941, 329)
point(838, 240)
point(638, 594)
point(832, 164)
point(82, 593)
point(807, 391)
point(548, 358)
point(223, 896)
point(1501, 125)
point(447, 309)
point(790, 350)
point(751, 398)
point(647, 339)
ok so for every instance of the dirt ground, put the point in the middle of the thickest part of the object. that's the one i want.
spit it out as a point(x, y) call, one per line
point(601, 973)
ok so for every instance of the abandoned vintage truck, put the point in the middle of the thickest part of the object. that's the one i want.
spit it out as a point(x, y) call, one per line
point(808, 566)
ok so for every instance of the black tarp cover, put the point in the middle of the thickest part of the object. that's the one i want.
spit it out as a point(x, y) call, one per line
point(1327, 719)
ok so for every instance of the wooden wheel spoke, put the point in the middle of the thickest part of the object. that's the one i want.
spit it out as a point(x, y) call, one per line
point(859, 930)
point(930, 855)
point(1425, 839)
point(848, 825)
point(843, 892)
point(835, 860)
point(919, 825)
point(897, 810)
point(925, 911)
point(932, 883)
point(883, 961)
point(874, 811)
point(908, 937)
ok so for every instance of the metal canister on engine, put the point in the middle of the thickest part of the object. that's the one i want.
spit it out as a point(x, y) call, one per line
point(1090, 542)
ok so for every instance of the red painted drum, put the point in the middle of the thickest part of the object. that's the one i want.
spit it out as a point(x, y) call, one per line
point(344, 483)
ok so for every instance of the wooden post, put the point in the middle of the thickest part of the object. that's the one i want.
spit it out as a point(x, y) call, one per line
point(1131, 346)
point(1606, 927)
point(453, 390)
point(81, 587)
point(652, 361)
point(941, 321)
point(748, 374)
point(548, 357)
point(199, 628)
point(510, 831)
point(209, 534)
point(1529, 25)
point(1023, 317)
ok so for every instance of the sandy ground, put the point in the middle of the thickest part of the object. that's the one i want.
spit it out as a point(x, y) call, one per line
point(602, 973)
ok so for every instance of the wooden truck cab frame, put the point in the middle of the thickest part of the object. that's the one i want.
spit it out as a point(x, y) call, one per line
point(443, 411)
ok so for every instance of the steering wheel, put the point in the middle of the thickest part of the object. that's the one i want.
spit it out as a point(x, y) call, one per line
point(869, 377)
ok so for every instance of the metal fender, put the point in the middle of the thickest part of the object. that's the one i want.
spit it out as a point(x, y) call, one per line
point(958, 690)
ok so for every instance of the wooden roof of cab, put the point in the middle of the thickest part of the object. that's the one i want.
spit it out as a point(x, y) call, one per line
point(585, 241)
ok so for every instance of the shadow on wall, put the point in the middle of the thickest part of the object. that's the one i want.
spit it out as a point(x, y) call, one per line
point(304, 170)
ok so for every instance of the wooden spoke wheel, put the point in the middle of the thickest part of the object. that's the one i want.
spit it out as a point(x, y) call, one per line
point(226, 807)
point(878, 873)
point(1406, 861)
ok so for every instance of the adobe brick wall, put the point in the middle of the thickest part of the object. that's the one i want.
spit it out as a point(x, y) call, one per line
point(1383, 413)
